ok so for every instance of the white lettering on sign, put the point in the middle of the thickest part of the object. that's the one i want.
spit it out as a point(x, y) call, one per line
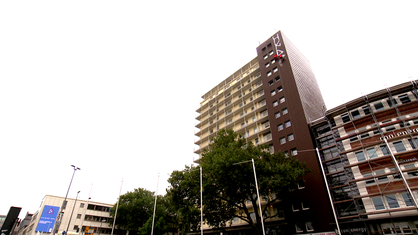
point(399, 134)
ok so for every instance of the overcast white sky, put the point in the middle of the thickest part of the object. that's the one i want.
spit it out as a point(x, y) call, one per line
point(112, 86)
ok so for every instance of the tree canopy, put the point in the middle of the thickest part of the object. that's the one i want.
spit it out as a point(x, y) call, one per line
point(228, 183)
point(135, 213)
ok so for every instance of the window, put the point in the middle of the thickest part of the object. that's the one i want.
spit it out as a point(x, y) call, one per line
point(270, 82)
point(299, 228)
point(294, 152)
point(271, 52)
point(352, 139)
point(273, 61)
point(275, 69)
point(355, 114)
point(78, 216)
point(378, 106)
point(363, 136)
point(301, 185)
point(280, 127)
point(399, 146)
point(369, 181)
point(384, 149)
point(378, 203)
point(360, 156)
point(392, 202)
point(290, 137)
point(229, 121)
point(366, 110)
point(269, 73)
point(275, 103)
point(381, 179)
point(267, 64)
point(277, 78)
point(273, 92)
point(255, 129)
point(295, 207)
point(404, 99)
point(371, 152)
point(309, 226)
point(413, 143)
point(277, 114)
point(391, 102)
point(345, 117)
point(81, 205)
point(282, 140)
point(287, 123)
point(407, 199)
point(265, 56)
point(282, 99)
point(285, 111)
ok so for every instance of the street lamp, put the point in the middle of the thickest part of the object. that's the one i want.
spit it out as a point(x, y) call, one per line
point(69, 220)
point(258, 194)
point(64, 203)
point(103, 220)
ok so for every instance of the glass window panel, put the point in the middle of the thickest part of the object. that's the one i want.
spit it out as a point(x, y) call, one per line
point(392, 202)
point(399, 146)
point(384, 149)
point(360, 156)
point(378, 106)
point(378, 203)
point(407, 199)
point(371, 152)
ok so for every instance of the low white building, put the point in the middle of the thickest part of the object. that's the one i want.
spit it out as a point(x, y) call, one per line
point(80, 217)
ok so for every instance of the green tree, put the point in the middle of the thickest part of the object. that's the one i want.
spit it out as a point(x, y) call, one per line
point(227, 186)
point(136, 209)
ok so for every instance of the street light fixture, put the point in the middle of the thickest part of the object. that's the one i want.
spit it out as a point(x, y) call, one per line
point(64, 203)
point(69, 220)
point(258, 194)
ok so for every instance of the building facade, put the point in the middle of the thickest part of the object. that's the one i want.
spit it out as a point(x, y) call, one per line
point(80, 217)
point(369, 149)
point(269, 101)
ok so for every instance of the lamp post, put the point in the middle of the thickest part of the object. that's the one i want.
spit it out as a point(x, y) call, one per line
point(69, 220)
point(258, 194)
point(64, 203)
point(101, 225)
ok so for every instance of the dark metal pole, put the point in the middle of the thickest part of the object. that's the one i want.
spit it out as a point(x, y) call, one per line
point(69, 220)
point(60, 215)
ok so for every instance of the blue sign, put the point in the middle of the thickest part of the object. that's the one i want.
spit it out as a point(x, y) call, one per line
point(47, 220)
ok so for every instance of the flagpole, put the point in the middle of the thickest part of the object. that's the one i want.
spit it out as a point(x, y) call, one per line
point(117, 205)
point(155, 205)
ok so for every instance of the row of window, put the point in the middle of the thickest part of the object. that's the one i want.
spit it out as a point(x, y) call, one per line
point(289, 138)
point(276, 79)
point(398, 146)
point(308, 226)
point(283, 112)
point(275, 91)
point(393, 201)
point(387, 128)
point(377, 106)
point(380, 177)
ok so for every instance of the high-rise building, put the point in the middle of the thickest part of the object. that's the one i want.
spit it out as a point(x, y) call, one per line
point(271, 100)
point(369, 150)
